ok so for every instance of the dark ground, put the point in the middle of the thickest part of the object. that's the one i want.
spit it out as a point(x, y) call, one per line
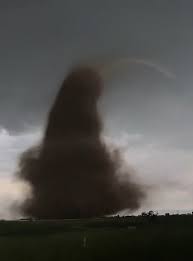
point(128, 238)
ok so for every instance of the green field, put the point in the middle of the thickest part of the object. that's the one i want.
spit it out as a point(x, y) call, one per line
point(129, 238)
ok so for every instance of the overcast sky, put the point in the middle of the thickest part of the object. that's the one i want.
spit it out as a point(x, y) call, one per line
point(147, 104)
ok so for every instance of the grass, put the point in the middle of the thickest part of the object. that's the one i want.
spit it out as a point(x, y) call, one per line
point(64, 240)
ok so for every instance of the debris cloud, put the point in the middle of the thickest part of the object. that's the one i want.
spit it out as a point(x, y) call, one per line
point(73, 173)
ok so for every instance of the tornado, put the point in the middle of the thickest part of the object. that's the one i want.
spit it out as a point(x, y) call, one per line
point(72, 172)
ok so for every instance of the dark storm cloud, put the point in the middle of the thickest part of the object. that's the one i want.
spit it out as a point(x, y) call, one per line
point(152, 105)
point(41, 40)
point(16, 4)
